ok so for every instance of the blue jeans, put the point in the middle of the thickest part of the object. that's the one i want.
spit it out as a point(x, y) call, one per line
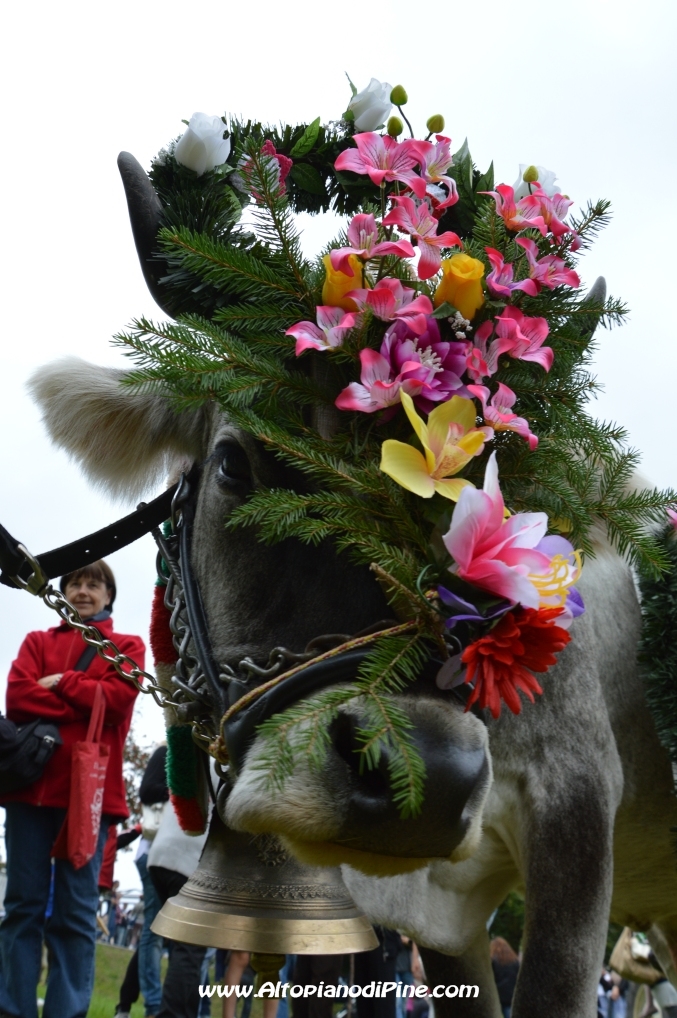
point(285, 977)
point(150, 944)
point(404, 979)
point(70, 931)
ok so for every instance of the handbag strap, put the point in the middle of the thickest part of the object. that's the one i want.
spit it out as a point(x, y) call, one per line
point(85, 659)
point(96, 718)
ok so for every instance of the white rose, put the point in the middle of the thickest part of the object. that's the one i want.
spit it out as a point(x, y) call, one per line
point(203, 146)
point(371, 106)
point(546, 178)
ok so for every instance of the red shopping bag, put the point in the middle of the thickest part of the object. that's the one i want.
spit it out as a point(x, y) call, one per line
point(78, 837)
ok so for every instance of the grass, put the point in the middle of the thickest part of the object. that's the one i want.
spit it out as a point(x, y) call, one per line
point(111, 965)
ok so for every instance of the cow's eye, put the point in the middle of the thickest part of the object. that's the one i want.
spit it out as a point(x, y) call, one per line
point(233, 464)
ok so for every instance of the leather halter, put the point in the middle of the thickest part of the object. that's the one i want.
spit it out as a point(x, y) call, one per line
point(88, 549)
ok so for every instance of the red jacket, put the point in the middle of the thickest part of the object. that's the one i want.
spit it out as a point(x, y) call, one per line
point(69, 704)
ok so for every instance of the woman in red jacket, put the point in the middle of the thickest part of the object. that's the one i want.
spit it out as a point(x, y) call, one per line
point(45, 682)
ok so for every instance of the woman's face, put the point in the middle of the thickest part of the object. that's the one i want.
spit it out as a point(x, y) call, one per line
point(89, 596)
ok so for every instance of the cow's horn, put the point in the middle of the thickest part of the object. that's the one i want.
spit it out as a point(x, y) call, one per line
point(596, 295)
point(597, 291)
point(145, 214)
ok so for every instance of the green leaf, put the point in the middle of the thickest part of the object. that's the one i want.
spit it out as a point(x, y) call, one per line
point(307, 177)
point(445, 310)
point(462, 154)
point(352, 87)
point(307, 140)
point(486, 181)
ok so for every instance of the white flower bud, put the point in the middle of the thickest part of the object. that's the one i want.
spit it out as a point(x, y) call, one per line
point(371, 106)
point(203, 146)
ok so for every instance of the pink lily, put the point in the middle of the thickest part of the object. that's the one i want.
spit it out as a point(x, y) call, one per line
point(495, 553)
point(379, 386)
point(332, 325)
point(549, 271)
point(389, 299)
point(526, 335)
point(363, 242)
point(498, 412)
point(499, 279)
point(482, 359)
point(419, 223)
point(553, 209)
point(518, 215)
point(383, 159)
point(435, 161)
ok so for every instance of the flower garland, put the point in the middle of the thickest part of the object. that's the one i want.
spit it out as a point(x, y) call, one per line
point(418, 366)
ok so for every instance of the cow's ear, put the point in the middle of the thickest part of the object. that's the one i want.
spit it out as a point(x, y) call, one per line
point(125, 441)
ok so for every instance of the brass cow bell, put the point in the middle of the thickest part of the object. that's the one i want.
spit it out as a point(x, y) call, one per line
point(248, 894)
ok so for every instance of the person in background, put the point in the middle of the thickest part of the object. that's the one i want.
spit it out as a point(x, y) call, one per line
point(403, 974)
point(310, 970)
point(505, 966)
point(45, 681)
point(285, 977)
point(237, 963)
point(664, 994)
point(375, 965)
point(173, 857)
point(205, 1009)
point(603, 989)
point(143, 972)
point(109, 889)
point(121, 925)
point(113, 906)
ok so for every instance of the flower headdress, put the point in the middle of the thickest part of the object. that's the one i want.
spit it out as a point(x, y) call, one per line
point(441, 340)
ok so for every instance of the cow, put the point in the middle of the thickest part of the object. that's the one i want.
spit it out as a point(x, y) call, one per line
point(571, 802)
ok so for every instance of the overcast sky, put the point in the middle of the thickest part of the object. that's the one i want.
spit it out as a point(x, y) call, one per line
point(584, 87)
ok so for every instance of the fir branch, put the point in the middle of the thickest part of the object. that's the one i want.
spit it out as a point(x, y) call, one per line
point(301, 733)
point(594, 219)
point(198, 346)
point(658, 651)
point(275, 223)
point(228, 268)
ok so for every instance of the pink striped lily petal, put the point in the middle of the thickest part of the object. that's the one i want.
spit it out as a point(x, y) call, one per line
point(549, 271)
point(382, 159)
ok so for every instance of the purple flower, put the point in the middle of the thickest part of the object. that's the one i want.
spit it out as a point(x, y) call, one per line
point(467, 612)
point(573, 608)
point(441, 364)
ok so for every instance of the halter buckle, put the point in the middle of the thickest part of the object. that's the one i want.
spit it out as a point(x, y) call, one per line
point(37, 582)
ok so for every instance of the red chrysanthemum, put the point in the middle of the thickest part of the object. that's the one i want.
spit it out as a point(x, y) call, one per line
point(500, 663)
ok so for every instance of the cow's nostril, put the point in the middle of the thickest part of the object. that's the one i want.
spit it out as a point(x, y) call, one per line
point(455, 771)
point(348, 745)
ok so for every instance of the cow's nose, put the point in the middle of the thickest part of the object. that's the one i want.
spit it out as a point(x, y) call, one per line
point(373, 822)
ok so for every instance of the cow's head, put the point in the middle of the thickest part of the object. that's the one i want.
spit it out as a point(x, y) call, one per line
point(257, 597)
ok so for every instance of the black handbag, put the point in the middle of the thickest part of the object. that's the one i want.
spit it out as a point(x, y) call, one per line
point(26, 749)
point(23, 759)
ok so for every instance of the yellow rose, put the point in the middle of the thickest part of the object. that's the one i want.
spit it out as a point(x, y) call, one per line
point(338, 284)
point(461, 284)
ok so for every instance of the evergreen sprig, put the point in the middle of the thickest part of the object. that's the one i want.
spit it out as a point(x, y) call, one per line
point(303, 731)
point(658, 653)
